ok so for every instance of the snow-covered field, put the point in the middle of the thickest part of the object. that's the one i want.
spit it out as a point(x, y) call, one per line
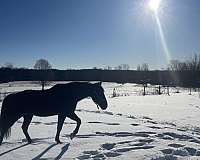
point(152, 127)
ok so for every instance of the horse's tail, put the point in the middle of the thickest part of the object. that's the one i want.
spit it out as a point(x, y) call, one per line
point(5, 131)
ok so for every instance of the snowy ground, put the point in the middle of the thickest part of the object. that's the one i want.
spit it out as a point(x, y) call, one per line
point(152, 127)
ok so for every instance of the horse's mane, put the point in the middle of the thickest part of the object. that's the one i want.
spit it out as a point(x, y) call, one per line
point(69, 85)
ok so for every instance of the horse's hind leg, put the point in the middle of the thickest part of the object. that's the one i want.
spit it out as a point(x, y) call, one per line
point(61, 119)
point(25, 125)
point(74, 117)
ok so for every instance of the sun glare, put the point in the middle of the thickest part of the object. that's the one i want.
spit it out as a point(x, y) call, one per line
point(154, 5)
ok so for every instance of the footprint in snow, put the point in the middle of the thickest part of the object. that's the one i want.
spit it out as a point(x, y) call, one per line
point(175, 145)
point(180, 151)
point(50, 123)
point(135, 124)
point(97, 122)
point(154, 127)
point(108, 146)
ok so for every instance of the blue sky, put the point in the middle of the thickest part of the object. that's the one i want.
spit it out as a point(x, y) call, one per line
point(96, 33)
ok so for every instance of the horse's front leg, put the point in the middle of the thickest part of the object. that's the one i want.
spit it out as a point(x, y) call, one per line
point(25, 125)
point(74, 117)
point(61, 119)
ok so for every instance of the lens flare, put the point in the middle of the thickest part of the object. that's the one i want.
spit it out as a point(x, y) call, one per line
point(154, 5)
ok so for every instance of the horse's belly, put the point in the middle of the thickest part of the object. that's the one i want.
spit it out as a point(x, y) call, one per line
point(45, 110)
point(44, 114)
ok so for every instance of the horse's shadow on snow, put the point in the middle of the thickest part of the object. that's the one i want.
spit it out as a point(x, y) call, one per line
point(1, 154)
point(37, 141)
point(59, 156)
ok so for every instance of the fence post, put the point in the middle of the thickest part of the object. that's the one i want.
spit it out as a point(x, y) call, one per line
point(168, 90)
point(144, 91)
point(159, 90)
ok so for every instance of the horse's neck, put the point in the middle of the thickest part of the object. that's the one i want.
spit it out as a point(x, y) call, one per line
point(82, 92)
point(79, 92)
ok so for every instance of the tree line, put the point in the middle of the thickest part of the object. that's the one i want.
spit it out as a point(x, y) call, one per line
point(171, 78)
point(179, 73)
point(193, 64)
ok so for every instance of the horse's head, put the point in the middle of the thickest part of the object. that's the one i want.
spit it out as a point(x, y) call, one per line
point(98, 96)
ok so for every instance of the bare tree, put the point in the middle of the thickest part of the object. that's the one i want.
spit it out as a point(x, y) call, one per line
point(193, 64)
point(125, 66)
point(107, 68)
point(42, 64)
point(122, 67)
point(119, 67)
point(138, 67)
point(174, 65)
point(8, 65)
point(143, 67)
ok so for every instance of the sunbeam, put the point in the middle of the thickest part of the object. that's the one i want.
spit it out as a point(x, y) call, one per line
point(154, 5)
point(163, 40)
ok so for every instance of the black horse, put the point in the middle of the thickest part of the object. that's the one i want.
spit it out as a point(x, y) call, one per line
point(59, 100)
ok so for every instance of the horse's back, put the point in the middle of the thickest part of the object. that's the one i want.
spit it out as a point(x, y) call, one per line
point(39, 103)
point(60, 99)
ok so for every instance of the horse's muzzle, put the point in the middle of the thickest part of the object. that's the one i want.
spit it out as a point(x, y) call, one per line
point(104, 105)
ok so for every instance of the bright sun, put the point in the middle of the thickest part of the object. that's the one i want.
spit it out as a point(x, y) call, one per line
point(154, 5)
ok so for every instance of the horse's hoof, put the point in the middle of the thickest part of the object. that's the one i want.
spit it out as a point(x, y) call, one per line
point(58, 142)
point(72, 135)
point(27, 141)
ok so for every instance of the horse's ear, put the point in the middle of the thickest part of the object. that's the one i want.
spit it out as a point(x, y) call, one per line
point(99, 83)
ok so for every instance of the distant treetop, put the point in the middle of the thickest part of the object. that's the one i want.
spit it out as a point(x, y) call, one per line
point(42, 64)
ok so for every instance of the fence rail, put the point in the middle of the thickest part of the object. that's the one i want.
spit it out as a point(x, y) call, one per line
point(120, 90)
